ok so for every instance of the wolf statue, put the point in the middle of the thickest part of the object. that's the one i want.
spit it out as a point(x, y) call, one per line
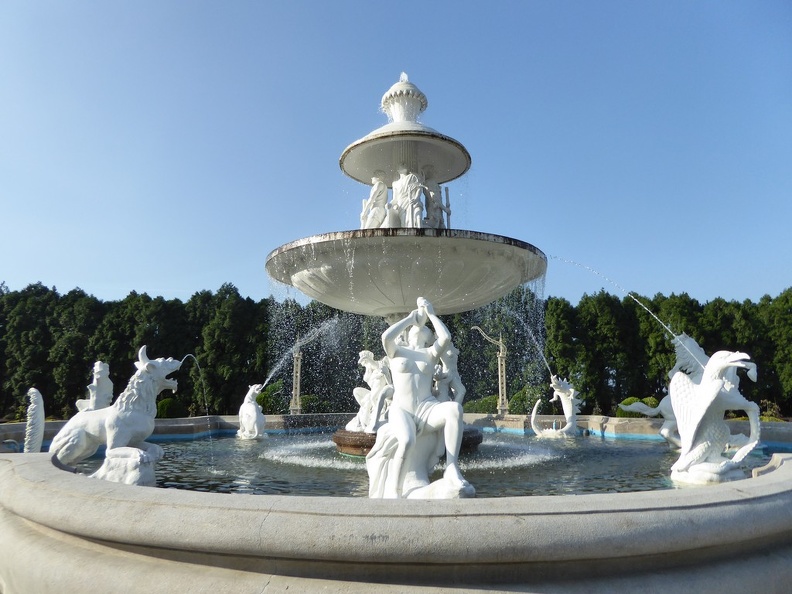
point(122, 427)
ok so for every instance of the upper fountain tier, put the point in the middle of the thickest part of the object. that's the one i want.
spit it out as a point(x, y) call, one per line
point(382, 269)
point(404, 142)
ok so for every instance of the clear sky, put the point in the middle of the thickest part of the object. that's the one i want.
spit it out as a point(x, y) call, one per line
point(168, 147)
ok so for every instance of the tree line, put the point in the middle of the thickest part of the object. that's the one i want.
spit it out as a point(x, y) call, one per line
point(609, 348)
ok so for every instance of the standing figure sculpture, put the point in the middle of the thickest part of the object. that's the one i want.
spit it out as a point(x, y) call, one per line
point(375, 208)
point(419, 428)
point(433, 201)
point(251, 417)
point(407, 199)
point(100, 390)
point(373, 402)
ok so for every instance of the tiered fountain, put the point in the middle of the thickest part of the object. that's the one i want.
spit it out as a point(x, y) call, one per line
point(405, 248)
point(62, 532)
point(381, 271)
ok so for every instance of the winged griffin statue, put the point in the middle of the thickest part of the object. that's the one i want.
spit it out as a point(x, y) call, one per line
point(701, 391)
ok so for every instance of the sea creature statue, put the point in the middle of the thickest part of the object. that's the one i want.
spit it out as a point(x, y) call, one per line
point(420, 428)
point(34, 427)
point(100, 390)
point(123, 427)
point(699, 408)
point(668, 430)
point(374, 402)
point(251, 418)
point(566, 393)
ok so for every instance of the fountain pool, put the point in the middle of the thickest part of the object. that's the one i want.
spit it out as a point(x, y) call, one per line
point(507, 464)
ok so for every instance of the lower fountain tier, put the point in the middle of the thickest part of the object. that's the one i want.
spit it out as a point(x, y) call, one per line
point(382, 272)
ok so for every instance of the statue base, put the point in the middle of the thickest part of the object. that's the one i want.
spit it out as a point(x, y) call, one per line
point(357, 443)
point(706, 474)
point(130, 466)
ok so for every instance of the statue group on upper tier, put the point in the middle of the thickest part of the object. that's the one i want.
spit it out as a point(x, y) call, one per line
point(417, 202)
point(423, 420)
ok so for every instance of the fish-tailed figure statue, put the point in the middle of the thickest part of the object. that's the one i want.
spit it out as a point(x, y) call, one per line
point(374, 402)
point(566, 393)
point(700, 399)
point(34, 428)
point(251, 417)
point(668, 430)
point(100, 390)
point(123, 427)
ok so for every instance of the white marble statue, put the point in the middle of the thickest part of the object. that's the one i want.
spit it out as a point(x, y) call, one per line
point(419, 427)
point(374, 401)
point(126, 424)
point(374, 210)
point(251, 417)
point(433, 201)
point(448, 383)
point(668, 430)
point(566, 393)
point(701, 391)
point(100, 390)
point(34, 427)
point(406, 201)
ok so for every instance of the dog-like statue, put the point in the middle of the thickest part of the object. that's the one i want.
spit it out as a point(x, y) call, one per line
point(123, 426)
point(251, 417)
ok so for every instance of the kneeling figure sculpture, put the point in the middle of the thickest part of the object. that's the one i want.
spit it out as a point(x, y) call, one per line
point(419, 427)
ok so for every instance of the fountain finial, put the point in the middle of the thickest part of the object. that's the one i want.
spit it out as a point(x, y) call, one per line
point(404, 102)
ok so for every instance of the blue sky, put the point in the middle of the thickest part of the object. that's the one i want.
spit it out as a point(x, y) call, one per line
point(168, 147)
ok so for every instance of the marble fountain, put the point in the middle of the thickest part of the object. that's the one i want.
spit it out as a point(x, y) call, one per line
point(65, 532)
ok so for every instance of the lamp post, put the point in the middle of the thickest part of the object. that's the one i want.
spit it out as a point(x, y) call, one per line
point(295, 406)
point(503, 403)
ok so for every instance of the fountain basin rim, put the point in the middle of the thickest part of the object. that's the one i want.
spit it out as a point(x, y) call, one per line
point(177, 519)
point(405, 131)
point(406, 232)
point(381, 272)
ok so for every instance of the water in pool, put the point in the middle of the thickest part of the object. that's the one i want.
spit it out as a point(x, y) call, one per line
point(505, 465)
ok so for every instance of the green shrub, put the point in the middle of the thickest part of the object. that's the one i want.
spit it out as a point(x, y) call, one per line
point(522, 402)
point(626, 414)
point(272, 400)
point(171, 408)
point(651, 402)
point(485, 406)
point(312, 405)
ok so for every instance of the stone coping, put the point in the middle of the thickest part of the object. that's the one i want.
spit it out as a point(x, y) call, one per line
point(115, 537)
